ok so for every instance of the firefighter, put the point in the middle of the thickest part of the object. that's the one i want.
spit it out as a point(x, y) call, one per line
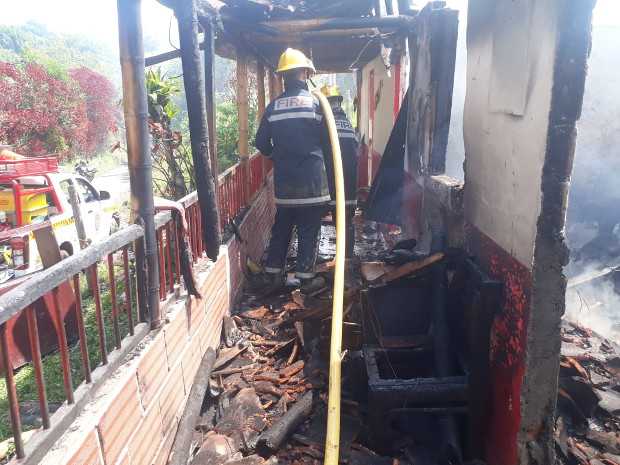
point(292, 134)
point(349, 152)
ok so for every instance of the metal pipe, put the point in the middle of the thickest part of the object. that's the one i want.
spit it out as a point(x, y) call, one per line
point(94, 279)
point(16, 422)
point(209, 59)
point(170, 275)
point(193, 81)
point(128, 283)
point(138, 143)
point(81, 330)
point(63, 348)
point(112, 284)
point(35, 351)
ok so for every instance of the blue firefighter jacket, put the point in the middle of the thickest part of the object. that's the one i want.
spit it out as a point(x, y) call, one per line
point(292, 133)
point(349, 151)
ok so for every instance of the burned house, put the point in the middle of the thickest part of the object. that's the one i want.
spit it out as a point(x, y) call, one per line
point(525, 80)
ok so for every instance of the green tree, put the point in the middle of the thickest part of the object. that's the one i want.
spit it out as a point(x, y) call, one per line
point(172, 163)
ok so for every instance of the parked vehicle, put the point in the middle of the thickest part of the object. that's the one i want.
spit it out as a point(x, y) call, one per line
point(32, 191)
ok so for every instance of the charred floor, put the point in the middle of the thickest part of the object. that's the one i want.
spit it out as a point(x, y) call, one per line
point(414, 389)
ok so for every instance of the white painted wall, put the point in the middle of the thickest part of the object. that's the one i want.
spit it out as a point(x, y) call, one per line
point(384, 112)
point(506, 117)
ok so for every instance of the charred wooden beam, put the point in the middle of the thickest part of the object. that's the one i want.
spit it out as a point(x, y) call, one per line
point(193, 80)
point(271, 440)
point(242, 105)
point(138, 150)
point(422, 390)
point(260, 81)
point(321, 24)
point(243, 146)
point(302, 37)
point(272, 86)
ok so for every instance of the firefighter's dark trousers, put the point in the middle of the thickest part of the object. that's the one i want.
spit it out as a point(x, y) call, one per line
point(307, 220)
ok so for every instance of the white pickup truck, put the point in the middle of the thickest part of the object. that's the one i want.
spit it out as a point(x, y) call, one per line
point(48, 197)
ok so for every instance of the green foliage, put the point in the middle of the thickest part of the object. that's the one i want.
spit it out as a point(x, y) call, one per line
point(160, 91)
point(227, 134)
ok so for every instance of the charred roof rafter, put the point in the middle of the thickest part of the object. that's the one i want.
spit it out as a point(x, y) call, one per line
point(263, 28)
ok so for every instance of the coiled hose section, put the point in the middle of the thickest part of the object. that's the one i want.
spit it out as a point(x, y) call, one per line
point(332, 440)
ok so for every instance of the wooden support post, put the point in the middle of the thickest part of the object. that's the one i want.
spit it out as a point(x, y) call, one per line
point(209, 59)
point(243, 115)
point(260, 80)
point(272, 86)
point(193, 80)
point(138, 152)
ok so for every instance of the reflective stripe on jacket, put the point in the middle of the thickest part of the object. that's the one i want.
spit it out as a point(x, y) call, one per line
point(349, 151)
point(293, 135)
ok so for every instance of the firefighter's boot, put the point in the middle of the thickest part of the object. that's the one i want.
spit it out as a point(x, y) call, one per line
point(311, 285)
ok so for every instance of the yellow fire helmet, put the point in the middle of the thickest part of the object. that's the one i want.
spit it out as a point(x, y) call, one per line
point(294, 59)
point(330, 91)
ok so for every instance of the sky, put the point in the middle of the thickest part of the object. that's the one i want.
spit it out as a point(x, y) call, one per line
point(97, 18)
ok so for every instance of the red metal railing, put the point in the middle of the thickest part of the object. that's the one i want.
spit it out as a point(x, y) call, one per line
point(59, 286)
point(238, 185)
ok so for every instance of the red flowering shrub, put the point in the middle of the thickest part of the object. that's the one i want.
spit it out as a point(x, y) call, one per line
point(40, 113)
point(99, 93)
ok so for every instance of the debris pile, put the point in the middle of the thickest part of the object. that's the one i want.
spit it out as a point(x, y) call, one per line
point(266, 400)
point(587, 420)
point(267, 394)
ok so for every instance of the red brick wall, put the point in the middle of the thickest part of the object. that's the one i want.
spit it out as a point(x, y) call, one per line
point(255, 232)
point(135, 421)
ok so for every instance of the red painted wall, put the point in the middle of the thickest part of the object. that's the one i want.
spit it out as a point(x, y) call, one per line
point(508, 345)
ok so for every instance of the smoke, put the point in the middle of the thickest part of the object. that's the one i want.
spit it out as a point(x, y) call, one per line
point(593, 213)
point(595, 305)
point(595, 190)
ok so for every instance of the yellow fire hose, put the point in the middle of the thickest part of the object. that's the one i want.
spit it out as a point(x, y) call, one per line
point(332, 441)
